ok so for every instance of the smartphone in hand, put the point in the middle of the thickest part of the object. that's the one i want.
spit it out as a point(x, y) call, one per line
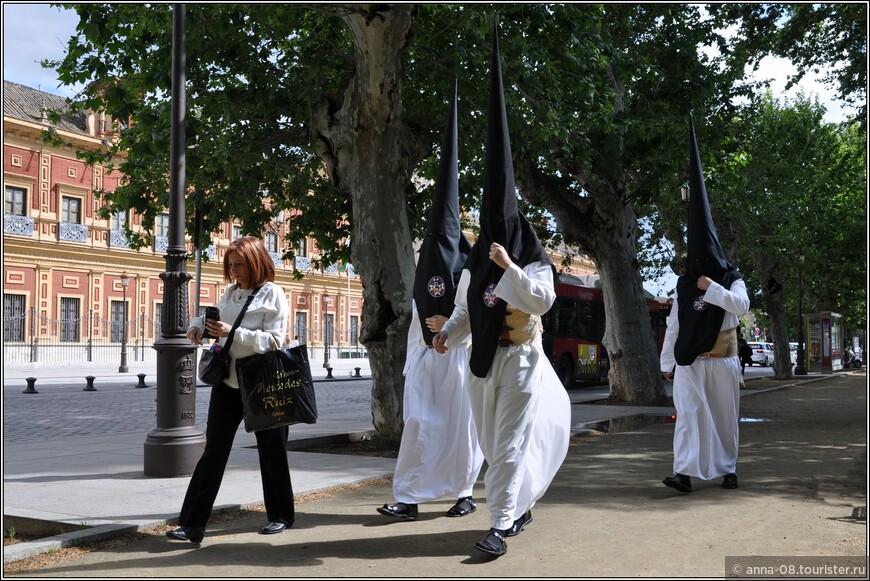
point(211, 314)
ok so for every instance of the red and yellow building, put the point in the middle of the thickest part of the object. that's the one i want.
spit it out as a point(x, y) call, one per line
point(63, 264)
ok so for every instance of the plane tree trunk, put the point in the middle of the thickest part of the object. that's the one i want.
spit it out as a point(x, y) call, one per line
point(370, 154)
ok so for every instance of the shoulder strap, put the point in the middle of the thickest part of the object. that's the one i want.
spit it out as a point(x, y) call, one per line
point(229, 342)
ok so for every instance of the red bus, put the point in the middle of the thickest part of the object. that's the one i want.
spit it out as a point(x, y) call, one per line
point(574, 327)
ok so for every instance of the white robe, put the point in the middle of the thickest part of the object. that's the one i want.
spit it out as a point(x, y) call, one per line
point(438, 454)
point(521, 410)
point(707, 395)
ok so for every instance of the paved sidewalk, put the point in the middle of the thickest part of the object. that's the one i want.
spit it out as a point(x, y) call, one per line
point(607, 493)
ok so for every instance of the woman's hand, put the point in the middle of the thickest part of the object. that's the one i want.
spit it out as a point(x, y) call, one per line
point(194, 335)
point(704, 282)
point(218, 328)
point(435, 323)
point(499, 255)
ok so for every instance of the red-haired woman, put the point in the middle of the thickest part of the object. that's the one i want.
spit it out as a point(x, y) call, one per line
point(250, 269)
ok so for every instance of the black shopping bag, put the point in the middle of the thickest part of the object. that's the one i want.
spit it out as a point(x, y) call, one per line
point(277, 389)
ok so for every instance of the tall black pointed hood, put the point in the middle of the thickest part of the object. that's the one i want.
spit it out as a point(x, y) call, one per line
point(501, 222)
point(700, 321)
point(445, 248)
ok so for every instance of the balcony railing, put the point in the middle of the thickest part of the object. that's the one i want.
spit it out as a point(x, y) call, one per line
point(303, 263)
point(20, 225)
point(161, 244)
point(72, 232)
point(118, 239)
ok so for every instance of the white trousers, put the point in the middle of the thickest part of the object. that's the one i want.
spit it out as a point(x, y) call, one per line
point(706, 435)
point(523, 419)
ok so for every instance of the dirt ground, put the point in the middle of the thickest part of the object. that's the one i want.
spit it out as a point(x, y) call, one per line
point(803, 494)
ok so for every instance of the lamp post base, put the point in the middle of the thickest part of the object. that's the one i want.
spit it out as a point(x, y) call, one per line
point(174, 447)
point(173, 452)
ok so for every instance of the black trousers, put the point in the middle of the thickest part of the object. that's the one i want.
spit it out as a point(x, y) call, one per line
point(224, 417)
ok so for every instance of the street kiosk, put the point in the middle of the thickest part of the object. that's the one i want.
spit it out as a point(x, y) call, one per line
point(824, 332)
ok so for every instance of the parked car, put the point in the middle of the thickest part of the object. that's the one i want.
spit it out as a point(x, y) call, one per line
point(762, 353)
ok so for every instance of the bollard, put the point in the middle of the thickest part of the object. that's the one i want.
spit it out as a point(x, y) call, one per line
point(90, 385)
point(31, 381)
point(329, 373)
point(356, 372)
point(141, 380)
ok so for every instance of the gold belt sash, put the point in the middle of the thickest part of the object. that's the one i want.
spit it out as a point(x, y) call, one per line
point(519, 328)
point(725, 346)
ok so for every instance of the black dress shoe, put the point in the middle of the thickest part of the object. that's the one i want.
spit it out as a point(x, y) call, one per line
point(272, 528)
point(680, 482)
point(463, 506)
point(730, 481)
point(519, 525)
point(493, 543)
point(400, 510)
point(192, 534)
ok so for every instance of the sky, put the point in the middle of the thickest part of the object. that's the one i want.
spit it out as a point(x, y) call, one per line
point(33, 32)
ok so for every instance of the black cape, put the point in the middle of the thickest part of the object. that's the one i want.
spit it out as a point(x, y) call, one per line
point(700, 322)
point(501, 222)
point(444, 249)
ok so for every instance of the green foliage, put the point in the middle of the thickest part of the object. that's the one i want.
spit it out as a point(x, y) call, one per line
point(812, 36)
point(250, 87)
point(792, 185)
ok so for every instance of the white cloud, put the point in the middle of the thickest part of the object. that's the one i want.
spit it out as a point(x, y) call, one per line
point(777, 70)
point(31, 33)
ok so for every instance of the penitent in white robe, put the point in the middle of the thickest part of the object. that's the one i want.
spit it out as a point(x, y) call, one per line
point(438, 454)
point(707, 395)
point(521, 410)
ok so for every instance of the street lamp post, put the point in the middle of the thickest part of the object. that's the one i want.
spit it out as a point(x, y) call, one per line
point(686, 196)
point(326, 301)
point(125, 280)
point(175, 445)
point(800, 367)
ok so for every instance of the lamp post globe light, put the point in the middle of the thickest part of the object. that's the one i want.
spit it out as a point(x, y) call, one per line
point(125, 280)
point(800, 367)
point(685, 195)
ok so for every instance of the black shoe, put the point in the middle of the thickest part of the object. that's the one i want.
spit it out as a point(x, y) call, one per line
point(400, 510)
point(493, 543)
point(463, 506)
point(680, 482)
point(730, 481)
point(192, 534)
point(273, 528)
point(519, 525)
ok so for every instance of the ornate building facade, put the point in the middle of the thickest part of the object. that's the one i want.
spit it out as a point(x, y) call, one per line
point(74, 290)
